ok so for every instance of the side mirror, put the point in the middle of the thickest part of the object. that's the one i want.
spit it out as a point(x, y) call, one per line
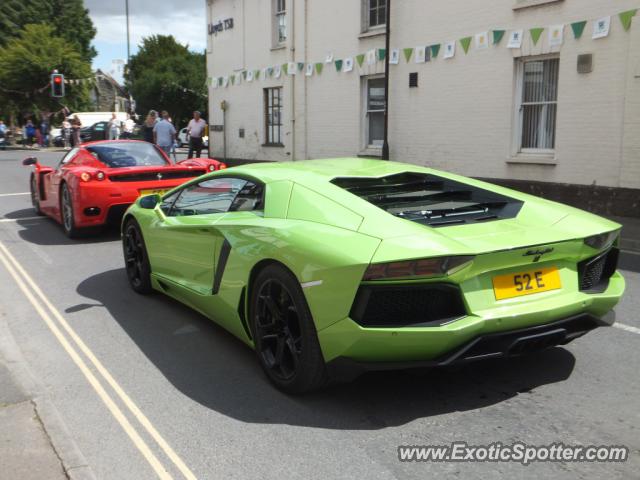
point(150, 201)
point(29, 161)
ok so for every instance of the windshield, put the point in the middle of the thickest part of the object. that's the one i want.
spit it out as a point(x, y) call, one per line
point(127, 154)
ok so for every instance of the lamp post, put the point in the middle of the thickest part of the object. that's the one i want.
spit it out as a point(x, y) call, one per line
point(128, 47)
point(385, 144)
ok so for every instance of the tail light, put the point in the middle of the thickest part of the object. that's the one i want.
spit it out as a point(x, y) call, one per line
point(427, 267)
point(603, 240)
point(212, 168)
point(85, 176)
point(100, 176)
point(222, 166)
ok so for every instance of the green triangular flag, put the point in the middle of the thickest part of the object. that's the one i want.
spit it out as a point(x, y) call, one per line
point(407, 53)
point(338, 65)
point(435, 49)
point(535, 34)
point(578, 28)
point(233, 79)
point(285, 68)
point(256, 74)
point(300, 66)
point(465, 42)
point(220, 80)
point(360, 59)
point(625, 18)
point(497, 36)
point(382, 54)
point(319, 68)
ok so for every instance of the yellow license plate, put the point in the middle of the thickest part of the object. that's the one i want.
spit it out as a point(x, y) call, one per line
point(153, 191)
point(526, 283)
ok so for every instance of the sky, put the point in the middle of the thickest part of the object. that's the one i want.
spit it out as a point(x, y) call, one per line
point(184, 19)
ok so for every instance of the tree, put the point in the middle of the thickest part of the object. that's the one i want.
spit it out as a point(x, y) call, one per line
point(69, 19)
point(165, 75)
point(27, 62)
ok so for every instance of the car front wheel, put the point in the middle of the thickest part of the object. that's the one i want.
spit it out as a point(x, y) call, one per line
point(35, 196)
point(136, 258)
point(284, 333)
point(66, 211)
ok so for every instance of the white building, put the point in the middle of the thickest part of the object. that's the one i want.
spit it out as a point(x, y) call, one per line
point(561, 109)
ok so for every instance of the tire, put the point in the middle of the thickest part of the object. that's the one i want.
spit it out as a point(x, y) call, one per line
point(35, 195)
point(136, 258)
point(66, 213)
point(286, 341)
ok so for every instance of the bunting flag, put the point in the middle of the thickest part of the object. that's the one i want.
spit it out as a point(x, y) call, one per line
point(556, 35)
point(300, 66)
point(285, 68)
point(249, 76)
point(269, 71)
point(360, 59)
point(535, 34)
point(309, 70)
point(435, 49)
point(420, 56)
point(277, 71)
point(382, 54)
point(449, 49)
point(578, 28)
point(601, 27)
point(394, 59)
point(319, 67)
point(465, 43)
point(497, 36)
point(256, 74)
point(482, 40)
point(244, 74)
point(626, 17)
point(233, 79)
point(407, 53)
point(348, 64)
point(338, 65)
point(372, 57)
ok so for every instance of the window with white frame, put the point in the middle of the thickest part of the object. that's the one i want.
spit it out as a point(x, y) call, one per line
point(374, 111)
point(280, 22)
point(375, 13)
point(537, 104)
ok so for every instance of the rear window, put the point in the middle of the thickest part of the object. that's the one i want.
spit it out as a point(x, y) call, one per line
point(127, 154)
point(430, 199)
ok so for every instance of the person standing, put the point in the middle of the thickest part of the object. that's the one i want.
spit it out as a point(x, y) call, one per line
point(29, 133)
point(114, 127)
point(66, 134)
point(3, 135)
point(76, 125)
point(164, 133)
point(127, 130)
point(195, 130)
point(44, 131)
point(147, 128)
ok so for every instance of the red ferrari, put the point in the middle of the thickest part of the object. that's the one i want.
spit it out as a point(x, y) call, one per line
point(95, 183)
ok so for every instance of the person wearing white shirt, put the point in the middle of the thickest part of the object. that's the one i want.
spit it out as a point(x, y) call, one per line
point(195, 130)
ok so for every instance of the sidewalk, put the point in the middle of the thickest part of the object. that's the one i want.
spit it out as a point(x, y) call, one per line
point(26, 451)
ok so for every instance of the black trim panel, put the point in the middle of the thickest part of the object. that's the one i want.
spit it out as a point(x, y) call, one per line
point(225, 250)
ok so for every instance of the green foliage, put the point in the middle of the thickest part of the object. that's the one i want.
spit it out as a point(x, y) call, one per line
point(27, 62)
point(69, 19)
point(165, 75)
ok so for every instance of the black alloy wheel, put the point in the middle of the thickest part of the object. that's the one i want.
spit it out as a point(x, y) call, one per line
point(136, 259)
point(284, 333)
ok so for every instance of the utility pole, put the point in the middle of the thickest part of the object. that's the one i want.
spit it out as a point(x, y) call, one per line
point(128, 47)
point(385, 144)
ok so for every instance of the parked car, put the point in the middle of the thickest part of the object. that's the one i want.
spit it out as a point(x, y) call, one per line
point(96, 182)
point(183, 139)
point(329, 268)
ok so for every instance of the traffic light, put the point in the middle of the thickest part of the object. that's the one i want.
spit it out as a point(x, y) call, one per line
point(57, 85)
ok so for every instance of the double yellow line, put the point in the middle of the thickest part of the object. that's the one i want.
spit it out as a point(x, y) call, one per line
point(57, 324)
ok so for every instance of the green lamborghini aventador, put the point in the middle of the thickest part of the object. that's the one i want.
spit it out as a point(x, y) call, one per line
point(328, 268)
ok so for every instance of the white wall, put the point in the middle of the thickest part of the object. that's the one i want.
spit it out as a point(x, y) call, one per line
point(461, 116)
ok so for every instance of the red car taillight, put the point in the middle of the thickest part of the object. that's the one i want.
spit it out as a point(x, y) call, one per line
point(428, 267)
point(87, 177)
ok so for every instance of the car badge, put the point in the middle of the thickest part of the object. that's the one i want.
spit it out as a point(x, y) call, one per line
point(538, 253)
point(159, 176)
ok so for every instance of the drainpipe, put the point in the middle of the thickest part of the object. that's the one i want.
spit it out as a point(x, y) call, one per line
point(292, 82)
point(385, 144)
point(306, 86)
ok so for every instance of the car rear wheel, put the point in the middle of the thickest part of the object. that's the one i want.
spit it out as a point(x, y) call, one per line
point(136, 258)
point(285, 336)
point(35, 196)
point(66, 212)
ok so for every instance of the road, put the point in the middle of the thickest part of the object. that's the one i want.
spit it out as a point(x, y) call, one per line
point(187, 398)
